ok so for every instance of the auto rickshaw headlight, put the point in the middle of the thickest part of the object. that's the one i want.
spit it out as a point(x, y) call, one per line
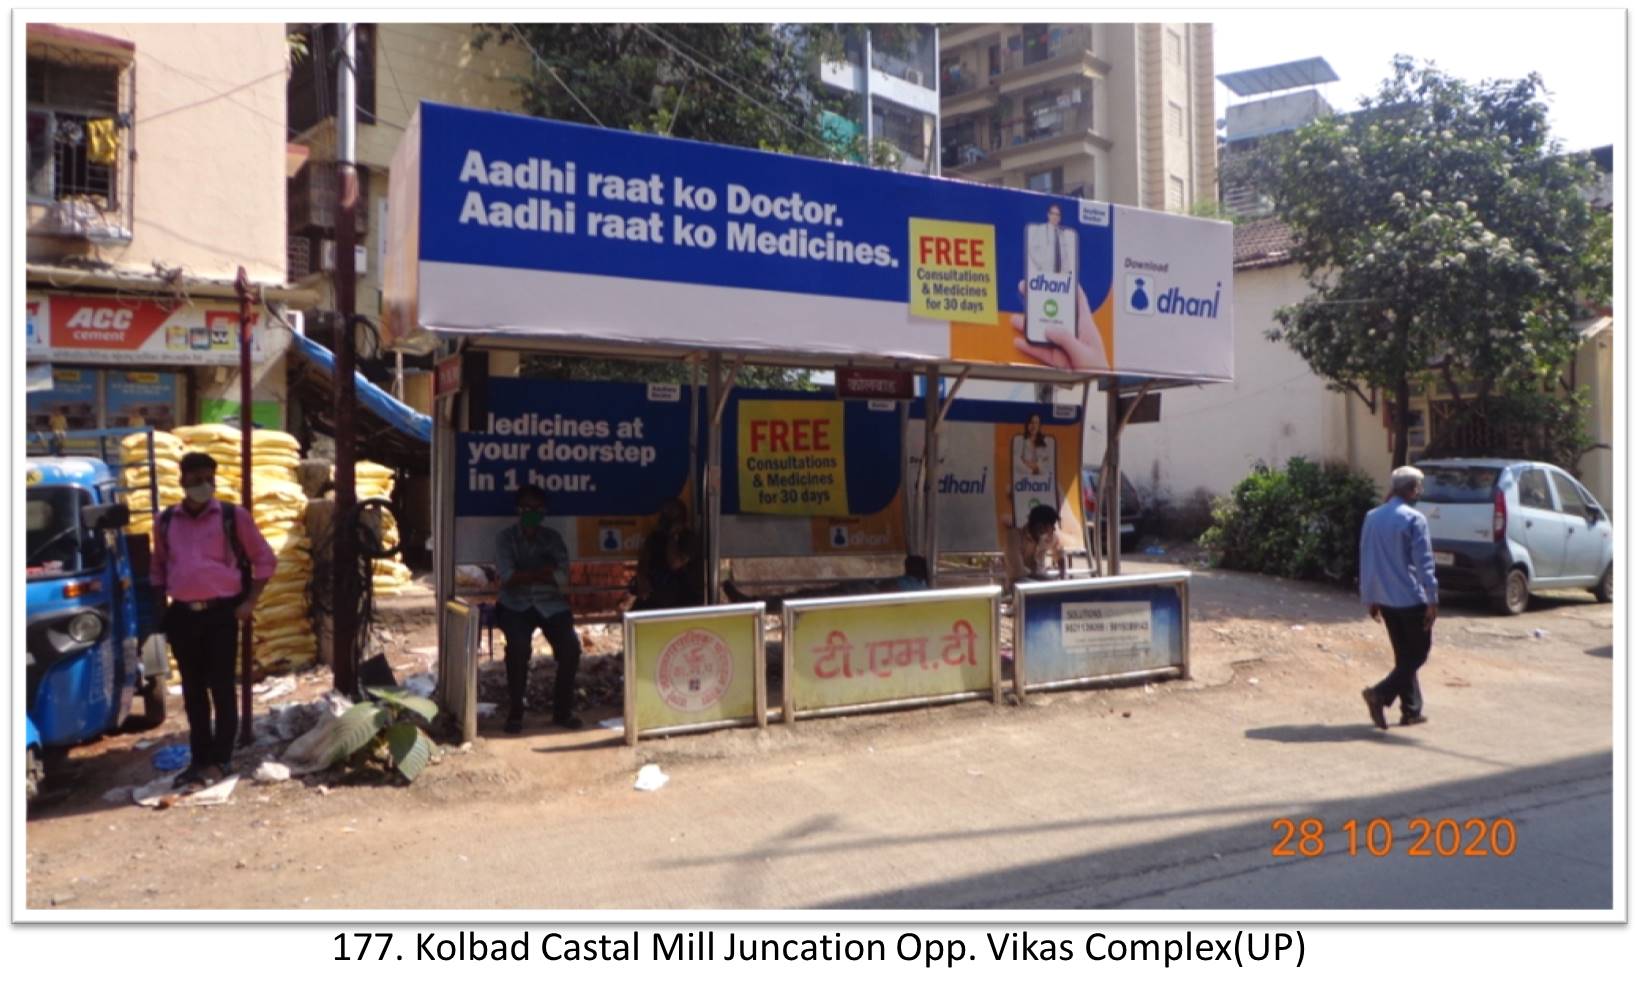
point(85, 627)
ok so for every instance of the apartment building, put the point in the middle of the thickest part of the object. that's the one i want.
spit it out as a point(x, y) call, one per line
point(1111, 112)
point(893, 98)
point(156, 167)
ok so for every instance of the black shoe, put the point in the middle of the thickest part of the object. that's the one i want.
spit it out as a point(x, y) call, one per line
point(514, 721)
point(1374, 704)
point(190, 779)
point(568, 722)
point(1412, 720)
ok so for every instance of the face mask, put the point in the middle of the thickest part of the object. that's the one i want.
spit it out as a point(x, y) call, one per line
point(532, 518)
point(201, 493)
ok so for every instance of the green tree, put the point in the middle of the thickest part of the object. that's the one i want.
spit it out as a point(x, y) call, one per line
point(752, 85)
point(1445, 236)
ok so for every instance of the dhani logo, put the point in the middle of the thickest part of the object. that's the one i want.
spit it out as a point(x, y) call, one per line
point(1042, 282)
point(1142, 298)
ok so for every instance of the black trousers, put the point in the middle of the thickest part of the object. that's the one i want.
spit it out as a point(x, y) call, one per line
point(207, 654)
point(519, 628)
point(1411, 639)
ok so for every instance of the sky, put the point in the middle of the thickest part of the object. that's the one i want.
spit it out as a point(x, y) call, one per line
point(1581, 55)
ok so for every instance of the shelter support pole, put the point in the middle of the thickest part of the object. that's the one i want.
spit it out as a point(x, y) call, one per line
point(1080, 479)
point(717, 398)
point(694, 505)
point(929, 476)
point(247, 495)
point(1110, 484)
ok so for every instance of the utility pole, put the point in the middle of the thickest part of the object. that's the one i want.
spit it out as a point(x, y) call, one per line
point(344, 551)
point(247, 495)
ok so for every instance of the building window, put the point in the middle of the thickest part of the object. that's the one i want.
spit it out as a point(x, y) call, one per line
point(1047, 181)
point(1174, 47)
point(311, 93)
point(1175, 198)
point(995, 60)
point(76, 130)
point(1174, 119)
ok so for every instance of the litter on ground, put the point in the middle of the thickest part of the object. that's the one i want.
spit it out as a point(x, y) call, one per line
point(650, 778)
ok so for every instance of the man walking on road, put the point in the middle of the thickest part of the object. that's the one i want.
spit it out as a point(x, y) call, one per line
point(1396, 580)
point(533, 563)
point(212, 561)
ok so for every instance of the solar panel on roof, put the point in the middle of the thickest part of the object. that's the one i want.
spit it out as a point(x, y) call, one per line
point(1285, 76)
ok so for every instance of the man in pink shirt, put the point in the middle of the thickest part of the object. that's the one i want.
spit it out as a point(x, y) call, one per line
point(213, 568)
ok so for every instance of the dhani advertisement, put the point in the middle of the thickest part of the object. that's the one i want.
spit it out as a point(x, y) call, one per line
point(502, 223)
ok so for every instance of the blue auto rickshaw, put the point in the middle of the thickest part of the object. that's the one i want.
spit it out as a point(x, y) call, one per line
point(92, 640)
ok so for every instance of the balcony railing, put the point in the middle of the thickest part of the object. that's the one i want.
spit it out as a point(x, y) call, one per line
point(953, 81)
point(1052, 44)
point(1039, 126)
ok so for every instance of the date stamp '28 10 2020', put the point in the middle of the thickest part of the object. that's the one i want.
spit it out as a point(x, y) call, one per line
point(1427, 838)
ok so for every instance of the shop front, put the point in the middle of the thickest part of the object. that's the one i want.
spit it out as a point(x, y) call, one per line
point(114, 359)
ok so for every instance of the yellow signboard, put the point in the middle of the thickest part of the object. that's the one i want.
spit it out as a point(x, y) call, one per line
point(791, 458)
point(953, 278)
point(874, 651)
point(692, 668)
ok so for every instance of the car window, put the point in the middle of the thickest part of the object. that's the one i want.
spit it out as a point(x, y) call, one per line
point(1459, 485)
point(1569, 496)
point(1533, 491)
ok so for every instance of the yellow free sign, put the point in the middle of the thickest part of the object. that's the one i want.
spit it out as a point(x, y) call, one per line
point(953, 278)
point(691, 669)
point(845, 655)
point(791, 458)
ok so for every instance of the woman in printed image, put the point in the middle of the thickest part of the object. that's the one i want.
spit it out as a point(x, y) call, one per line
point(1034, 470)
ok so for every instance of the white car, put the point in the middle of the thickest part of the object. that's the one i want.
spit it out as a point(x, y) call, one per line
point(1511, 527)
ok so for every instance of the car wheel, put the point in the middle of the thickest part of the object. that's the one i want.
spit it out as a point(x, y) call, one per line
point(1514, 596)
point(1605, 592)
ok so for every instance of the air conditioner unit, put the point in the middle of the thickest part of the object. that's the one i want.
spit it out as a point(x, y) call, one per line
point(915, 76)
point(327, 257)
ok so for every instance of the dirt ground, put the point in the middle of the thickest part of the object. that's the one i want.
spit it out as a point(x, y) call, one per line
point(1268, 655)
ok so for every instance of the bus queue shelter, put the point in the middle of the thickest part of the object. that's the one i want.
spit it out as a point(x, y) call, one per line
point(514, 233)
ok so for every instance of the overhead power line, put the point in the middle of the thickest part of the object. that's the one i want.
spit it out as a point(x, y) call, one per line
point(560, 82)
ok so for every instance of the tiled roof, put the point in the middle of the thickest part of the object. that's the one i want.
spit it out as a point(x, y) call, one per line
point(1262, 243)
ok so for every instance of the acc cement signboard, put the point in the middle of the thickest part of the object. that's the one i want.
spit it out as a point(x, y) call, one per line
point(502, 223)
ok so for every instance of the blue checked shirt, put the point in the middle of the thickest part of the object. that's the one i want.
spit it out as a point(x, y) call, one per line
point(1396, 558)
point(516, 551)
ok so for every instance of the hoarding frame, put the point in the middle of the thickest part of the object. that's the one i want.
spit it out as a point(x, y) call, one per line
point(759, 676)
point(1020, 673)
point(792, 609)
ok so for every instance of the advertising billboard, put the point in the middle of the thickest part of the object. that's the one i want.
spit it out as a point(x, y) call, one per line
point(524, 226)
point(882, 650)
point(694, 669)
point(1083, 630)
point(94, 328)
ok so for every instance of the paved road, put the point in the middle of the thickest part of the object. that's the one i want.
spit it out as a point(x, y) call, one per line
point(1138, 797)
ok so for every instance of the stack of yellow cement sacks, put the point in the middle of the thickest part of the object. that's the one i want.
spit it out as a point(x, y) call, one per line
point(376, 481)
point(134, 475)
point(222, 443)
point(284, 630)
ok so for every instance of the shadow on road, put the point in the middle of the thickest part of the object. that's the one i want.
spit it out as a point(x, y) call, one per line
point(1135, 873)
point(1604, 651)
point(1322, 733)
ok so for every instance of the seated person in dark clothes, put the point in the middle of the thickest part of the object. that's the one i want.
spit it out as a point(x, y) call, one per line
point(679, 582)
point(914, 578)
point(670, 573)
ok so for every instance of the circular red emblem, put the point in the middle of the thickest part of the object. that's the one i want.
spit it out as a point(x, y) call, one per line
point(695, 670)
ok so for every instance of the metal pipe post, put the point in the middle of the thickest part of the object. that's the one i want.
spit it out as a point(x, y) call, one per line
point(713, 479)
point(344, 552)
point(929, 476)
point(247, 497)
point(1112, 483)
